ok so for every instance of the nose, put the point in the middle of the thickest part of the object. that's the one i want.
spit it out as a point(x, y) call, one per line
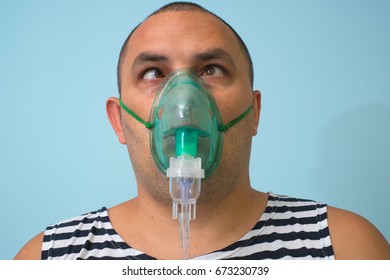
point(186, 109)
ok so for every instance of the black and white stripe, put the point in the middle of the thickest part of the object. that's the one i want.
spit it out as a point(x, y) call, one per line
point(289, 228)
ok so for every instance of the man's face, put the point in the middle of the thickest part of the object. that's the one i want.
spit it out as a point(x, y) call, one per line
point(169, 41)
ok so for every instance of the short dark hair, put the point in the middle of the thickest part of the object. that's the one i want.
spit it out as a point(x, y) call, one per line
point(185, 6)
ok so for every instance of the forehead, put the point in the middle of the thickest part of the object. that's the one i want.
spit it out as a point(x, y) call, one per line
point(182, 33)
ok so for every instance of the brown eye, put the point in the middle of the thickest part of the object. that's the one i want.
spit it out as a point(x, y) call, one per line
point(212, 71)
point(209, 71)
point(153, 74)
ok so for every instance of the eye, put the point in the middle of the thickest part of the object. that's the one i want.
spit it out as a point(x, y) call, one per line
point(212, 71)
point(152, 74)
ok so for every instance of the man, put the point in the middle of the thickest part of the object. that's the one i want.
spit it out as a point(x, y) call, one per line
point(233, 221)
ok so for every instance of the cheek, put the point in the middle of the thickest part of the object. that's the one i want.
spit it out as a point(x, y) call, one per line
point(237, 143)
point(140, 102)
point(137, 143)
point(135, 133)
point(232, 105)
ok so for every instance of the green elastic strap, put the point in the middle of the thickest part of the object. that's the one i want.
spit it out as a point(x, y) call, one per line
point(148, 125)
point(223, 127)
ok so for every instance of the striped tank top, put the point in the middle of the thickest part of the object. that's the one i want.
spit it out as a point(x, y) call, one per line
point(290, 228)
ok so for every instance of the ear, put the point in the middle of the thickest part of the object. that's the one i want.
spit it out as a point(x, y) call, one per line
point(256, 104)
point(113, 110)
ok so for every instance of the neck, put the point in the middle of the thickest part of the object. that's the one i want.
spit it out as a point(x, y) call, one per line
point(222, 218)
point(229, 215)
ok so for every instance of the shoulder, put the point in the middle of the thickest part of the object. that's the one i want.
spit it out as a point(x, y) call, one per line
point(86, 219)
point(354, 237)
point(37, 248)
point(32, 250)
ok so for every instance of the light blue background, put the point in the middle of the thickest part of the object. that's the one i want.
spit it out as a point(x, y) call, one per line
point(322, 66)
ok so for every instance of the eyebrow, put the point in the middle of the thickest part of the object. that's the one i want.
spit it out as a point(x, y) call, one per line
point(207, 55)
point(146, 57)
point(216, 53)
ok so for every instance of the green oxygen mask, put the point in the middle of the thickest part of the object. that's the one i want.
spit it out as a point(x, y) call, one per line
point(185, 120)
point(186, 139)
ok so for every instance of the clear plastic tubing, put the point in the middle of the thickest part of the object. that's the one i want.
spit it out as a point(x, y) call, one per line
point(185, 174)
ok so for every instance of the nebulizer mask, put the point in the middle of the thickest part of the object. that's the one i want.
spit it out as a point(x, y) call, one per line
point(186, 138)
